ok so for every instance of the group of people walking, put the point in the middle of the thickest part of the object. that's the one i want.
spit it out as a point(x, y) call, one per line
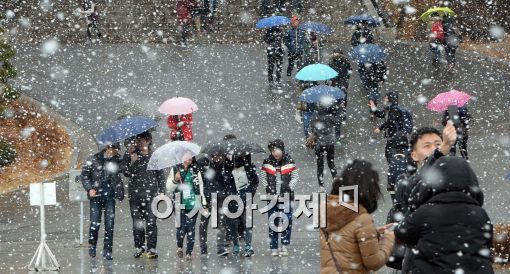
point(197, 182)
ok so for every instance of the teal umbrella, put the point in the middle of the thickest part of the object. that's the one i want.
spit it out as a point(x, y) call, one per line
point(316, 72)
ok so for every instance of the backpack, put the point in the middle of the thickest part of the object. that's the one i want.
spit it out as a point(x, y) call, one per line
point(438, 31)
point(405, 124)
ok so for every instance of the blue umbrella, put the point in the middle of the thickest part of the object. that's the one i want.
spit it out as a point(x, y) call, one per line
point(321, 93)
point(368, 53)
point(358, 19)
point(273, 21)
point(125, 128)
point(315, 27)
point(507, 177)
point(316, 72)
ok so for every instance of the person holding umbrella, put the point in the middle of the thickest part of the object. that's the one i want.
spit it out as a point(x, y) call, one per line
point(186, 179)
point(362, 34)
point(312, 49)
point(452, 104)
point(180, 117)
point(294, 41)
point(274, 50)
point(144, 185)
point(101, 178)
point(340, 63)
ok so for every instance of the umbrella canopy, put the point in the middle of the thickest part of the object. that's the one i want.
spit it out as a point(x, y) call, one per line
point(322, 94)
point(273, 21)
point(124, 129)
point(507, 177)
point(171, 154)
point(358, 19)
point(316, 27)
point(178, 106)
point(233, 146)
point(316, 72)
point(453, 97)
point(368, 53)
point(442, 11)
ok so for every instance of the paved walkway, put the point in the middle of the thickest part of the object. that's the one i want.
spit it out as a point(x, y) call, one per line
point(93, 84)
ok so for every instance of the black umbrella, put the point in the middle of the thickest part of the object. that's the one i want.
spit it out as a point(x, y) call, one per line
point(232, 146)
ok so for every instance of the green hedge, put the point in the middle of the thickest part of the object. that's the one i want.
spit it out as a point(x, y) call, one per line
point(7, 153)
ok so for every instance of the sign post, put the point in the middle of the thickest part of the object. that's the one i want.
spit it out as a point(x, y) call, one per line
point(77, 194)
point(43, 194)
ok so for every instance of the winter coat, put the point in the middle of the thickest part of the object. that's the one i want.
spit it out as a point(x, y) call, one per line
point(183, 132)
point(391, 124)
point(450, 230)
point(295, 41)
point(359, 33)
point(286, 170)
point(354, 240)
point(371, 75)
point(322, 125)
point(341, 65)
point(274, 40)
point(452, 34)
point(143, 183)
point(312, 50)
point(216, 180)
point(103, 175)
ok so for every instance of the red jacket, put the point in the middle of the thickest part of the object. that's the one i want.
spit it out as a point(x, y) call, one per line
point(184, 8)
point(186, 130)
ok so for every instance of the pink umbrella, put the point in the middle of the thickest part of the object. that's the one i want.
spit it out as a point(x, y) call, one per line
point(178, 106)
point(453, 97)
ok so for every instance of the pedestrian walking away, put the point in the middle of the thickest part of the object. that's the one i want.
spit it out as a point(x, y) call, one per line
point(322, 139)
point(274, 50)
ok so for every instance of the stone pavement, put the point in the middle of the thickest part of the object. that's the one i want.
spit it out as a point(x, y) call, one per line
point(94, 84)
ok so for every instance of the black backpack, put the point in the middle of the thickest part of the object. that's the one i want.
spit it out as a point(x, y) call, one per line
point(405, 124)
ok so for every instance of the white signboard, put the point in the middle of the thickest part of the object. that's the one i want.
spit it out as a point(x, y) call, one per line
point(50, 194)
point(76, 191)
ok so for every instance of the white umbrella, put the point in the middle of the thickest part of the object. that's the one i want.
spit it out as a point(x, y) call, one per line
point(172, 154)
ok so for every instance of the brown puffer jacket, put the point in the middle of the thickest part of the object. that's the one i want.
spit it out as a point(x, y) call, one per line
point(353, 239)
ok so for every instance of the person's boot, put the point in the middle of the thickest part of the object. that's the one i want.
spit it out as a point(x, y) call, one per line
point(152, 254)
point(92, 251)
point(107, 255)
point(138, 252)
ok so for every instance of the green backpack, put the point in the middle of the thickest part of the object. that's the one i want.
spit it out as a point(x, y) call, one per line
point(187, 191)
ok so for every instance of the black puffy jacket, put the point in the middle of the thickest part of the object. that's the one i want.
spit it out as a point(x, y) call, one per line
point(449, 230)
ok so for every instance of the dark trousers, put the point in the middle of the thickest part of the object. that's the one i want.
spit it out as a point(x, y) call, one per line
point(462, 142)
point(272, 61)
point(389, 149)
point(144, 222)
point(450, 53)
point(285, 235)
point(187, 229)
point(294, 58)
point(185, 30)
point(97, 206)
point(202, 232)
point(329, 150)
